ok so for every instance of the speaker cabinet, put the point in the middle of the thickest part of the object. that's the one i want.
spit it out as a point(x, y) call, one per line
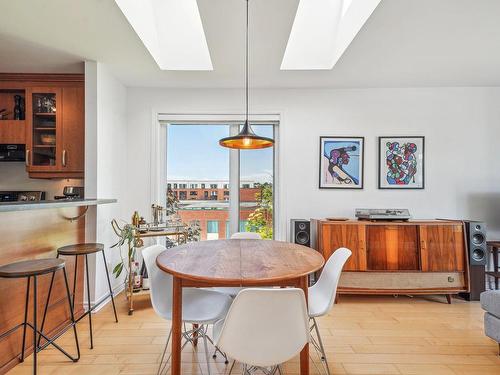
point(476, 241)
point(300, 232)
point(478, 258)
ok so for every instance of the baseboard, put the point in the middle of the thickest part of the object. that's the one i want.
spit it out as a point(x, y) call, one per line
point(99, 304)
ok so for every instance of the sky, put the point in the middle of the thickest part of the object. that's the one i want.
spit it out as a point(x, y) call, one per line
point(194, 153)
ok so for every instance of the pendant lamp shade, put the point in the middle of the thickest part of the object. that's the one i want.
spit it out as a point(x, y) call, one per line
point(246, 139)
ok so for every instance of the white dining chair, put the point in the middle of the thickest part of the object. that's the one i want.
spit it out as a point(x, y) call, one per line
point(246, 236)
point(321, 296)
point(199, 306)
point(264, 328)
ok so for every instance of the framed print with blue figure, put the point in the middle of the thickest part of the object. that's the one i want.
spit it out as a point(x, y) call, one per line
point(401, 163)
point(341, 162)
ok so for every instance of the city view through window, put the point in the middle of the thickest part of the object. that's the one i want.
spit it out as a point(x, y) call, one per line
point(198, 172)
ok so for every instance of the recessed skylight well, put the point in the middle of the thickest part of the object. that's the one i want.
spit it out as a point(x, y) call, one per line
point(172, 32)
point(322, 31)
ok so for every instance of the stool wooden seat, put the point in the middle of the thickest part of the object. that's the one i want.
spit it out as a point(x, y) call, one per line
point(26, 268)
point(81, 249)
point(31, 269)
point(84, 249)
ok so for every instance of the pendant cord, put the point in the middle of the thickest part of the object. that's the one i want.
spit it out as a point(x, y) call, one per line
point(246, 67)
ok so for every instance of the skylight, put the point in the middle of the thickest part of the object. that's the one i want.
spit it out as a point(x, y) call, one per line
point(171, 31)
point(322, 31)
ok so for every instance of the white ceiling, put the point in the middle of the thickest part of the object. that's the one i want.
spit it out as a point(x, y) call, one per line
point(404, 43)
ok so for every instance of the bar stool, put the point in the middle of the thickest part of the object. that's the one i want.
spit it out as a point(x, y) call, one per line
point(495, 249)
point(85, 249)
point(31, 269)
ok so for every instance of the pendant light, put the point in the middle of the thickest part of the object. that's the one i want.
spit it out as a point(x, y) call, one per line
point(246, 138)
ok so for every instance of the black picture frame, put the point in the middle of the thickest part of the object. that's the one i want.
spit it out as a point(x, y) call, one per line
point(381, 171)
point(322, 185)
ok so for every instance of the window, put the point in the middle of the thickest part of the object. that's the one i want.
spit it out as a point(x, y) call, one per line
point(169, 186)
point(236, 197)
point(212, 230)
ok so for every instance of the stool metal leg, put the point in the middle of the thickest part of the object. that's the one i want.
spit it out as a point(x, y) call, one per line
point(25, 317)
point(71, 307)
point(46, 306)
point(88, 300)
point(35, 331)
point(109, 284)
point(74, 281)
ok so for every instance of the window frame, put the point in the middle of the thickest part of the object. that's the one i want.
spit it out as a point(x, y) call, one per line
point(160, 122)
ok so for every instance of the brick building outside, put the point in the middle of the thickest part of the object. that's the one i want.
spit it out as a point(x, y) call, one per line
point(208, 202)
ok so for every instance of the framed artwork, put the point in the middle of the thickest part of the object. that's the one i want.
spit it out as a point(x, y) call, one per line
point(341, 162)
point(401, 163)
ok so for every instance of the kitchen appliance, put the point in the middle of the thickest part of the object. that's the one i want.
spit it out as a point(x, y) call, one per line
point(12, 152)
point(383, 214)
point(22, 196)
point(71, 192)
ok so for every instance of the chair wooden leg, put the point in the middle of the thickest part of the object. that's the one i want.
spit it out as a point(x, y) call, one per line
point(448, 298)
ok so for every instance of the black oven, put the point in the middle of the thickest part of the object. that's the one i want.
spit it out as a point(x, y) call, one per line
point(12, 152)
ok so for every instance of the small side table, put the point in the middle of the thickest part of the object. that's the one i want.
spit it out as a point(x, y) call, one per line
point(494, 247)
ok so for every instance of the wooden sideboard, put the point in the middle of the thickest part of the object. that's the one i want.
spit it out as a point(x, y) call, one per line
point(407, 257)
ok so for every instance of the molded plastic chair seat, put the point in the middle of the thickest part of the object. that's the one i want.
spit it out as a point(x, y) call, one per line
point(264, 327)
point(322, 295)
point(201, 306)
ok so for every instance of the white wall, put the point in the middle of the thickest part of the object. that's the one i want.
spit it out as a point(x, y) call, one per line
point(461, 126)
point(106, 169)
point(15, 177)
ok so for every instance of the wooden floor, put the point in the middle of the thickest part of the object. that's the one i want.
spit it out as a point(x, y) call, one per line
point(362, 335)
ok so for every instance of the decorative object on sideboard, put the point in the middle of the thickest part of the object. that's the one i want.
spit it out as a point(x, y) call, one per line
point(401, 162)
point(375, 214)
point(341, 162)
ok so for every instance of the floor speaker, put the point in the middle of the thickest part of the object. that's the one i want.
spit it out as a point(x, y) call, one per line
point(300, 232)
point(478, 258)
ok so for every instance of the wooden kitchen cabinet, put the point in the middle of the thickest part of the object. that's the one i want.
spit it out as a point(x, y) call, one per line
point(56, 128)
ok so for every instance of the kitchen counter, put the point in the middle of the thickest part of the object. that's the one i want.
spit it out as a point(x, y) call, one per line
point(26, 206)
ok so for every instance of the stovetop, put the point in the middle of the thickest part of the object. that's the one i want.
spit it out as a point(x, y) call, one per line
point(22, 196)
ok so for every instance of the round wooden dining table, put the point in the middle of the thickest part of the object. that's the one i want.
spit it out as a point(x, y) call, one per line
point(235, 263)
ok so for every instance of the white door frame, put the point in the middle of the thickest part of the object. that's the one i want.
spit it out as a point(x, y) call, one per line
point(158, 160)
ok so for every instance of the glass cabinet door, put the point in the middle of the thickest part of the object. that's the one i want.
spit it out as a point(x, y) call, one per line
point(45, 119)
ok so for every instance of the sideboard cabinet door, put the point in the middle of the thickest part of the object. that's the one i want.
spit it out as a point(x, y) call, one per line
point(334, 236)
point(442, 247)
point(392, 247)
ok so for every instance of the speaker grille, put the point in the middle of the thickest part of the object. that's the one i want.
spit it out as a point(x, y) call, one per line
point(302, 238)
point(477, 239)
point(478, 255)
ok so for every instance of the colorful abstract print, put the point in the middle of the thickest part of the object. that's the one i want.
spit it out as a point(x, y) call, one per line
point(343, 162)
point(401, 163)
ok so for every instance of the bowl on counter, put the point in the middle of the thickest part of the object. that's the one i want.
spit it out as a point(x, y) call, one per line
point(48, 139)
